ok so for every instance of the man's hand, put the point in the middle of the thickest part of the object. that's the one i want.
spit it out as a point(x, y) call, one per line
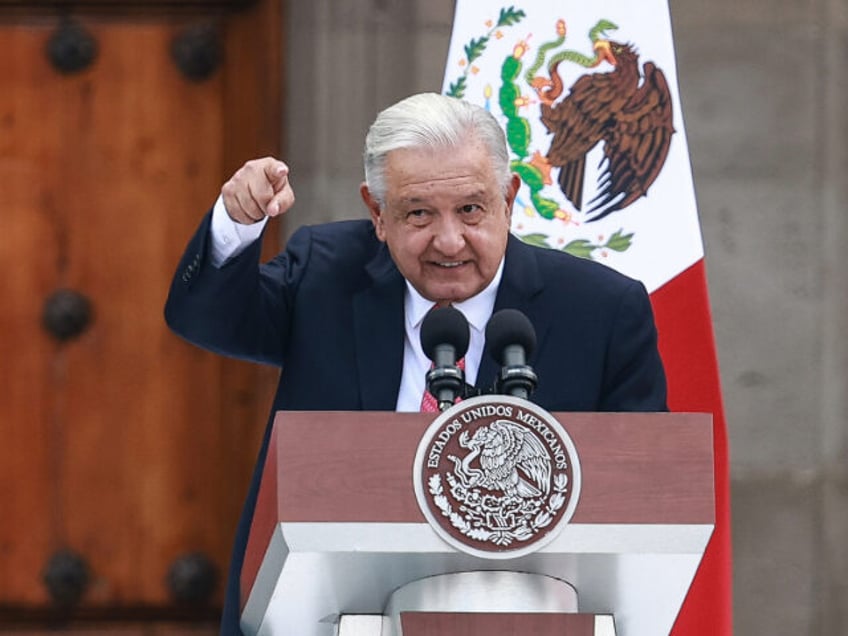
point(258, 189)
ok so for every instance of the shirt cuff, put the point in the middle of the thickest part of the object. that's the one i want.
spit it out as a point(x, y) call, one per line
point(228, 238)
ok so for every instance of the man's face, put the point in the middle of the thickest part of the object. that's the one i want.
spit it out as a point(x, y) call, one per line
point(445, 219)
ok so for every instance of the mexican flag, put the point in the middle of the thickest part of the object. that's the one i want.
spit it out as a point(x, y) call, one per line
point(588, 96)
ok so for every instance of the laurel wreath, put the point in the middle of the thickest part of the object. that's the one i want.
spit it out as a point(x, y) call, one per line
point(618, 242)
point(501, 537)
point(476, 46)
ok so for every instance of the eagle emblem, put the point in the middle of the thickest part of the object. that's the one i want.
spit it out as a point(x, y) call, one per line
point(511, 458)
point(628, 109)
point(496, 477)
point(589, 128)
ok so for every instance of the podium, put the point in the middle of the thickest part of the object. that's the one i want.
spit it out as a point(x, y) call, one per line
point(339, 544)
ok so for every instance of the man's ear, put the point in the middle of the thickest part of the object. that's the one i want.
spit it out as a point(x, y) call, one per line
point(374, 209)
point(512, 192)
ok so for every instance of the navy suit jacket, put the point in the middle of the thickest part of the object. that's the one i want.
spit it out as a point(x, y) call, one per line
point(329, 311)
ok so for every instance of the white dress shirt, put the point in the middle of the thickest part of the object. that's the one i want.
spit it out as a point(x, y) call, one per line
point(477, 310)
point(229, 239)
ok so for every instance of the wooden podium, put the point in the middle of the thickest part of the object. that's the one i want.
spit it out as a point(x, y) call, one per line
point(337, 533)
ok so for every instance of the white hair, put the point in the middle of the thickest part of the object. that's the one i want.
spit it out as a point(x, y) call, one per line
point(430, 120)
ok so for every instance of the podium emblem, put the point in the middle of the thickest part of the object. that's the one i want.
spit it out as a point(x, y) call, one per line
point(497, 476)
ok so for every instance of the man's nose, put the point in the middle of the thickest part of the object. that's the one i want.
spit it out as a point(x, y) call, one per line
point(449, 236)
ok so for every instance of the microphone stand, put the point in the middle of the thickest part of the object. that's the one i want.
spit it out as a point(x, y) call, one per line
point(446, 382)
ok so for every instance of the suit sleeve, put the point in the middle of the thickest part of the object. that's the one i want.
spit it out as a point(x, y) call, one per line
point(242, 309)
point(634, 378)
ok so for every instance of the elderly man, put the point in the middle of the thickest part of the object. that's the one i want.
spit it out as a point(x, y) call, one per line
point(340, 308)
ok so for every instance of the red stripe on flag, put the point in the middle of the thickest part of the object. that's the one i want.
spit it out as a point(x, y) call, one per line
point(687, 346)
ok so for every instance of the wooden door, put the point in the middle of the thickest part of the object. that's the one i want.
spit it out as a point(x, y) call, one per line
point(124, 452)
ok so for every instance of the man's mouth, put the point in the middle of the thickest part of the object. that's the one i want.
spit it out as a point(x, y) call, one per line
point(450, 264)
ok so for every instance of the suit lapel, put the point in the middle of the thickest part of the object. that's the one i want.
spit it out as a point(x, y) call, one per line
point(379, 334)
point(520, 288)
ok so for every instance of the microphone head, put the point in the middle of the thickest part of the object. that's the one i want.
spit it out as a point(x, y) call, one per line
point(509, 327)
point(444, 326)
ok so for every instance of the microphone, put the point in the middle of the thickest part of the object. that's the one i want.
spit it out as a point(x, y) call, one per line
point(444, 338)
point(511, 339)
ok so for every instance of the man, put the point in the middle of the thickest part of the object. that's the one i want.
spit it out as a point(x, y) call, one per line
point(340, 309)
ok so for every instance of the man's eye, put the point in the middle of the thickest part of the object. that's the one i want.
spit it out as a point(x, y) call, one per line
point(471, 209)
point(417, 217)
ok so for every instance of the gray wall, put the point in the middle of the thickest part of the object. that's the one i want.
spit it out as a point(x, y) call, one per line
point(764, 89)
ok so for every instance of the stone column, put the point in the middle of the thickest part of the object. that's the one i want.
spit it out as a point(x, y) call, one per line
point(346, 61)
